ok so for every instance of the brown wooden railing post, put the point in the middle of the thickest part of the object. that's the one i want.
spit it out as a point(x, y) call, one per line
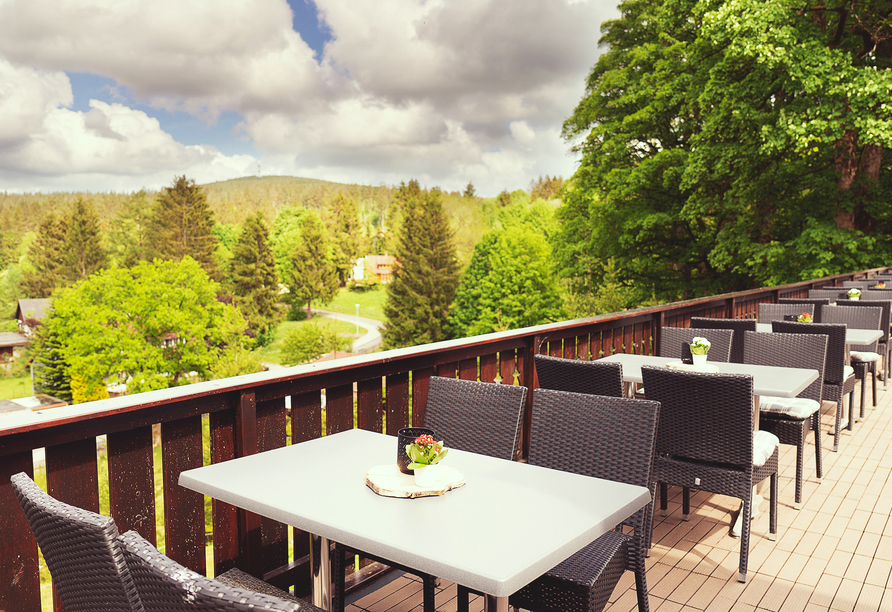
point(249, 529)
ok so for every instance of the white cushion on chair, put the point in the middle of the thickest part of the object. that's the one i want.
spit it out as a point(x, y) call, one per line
point(848, 371)
point(764, 443)
point(865, 356)
point(793, 407)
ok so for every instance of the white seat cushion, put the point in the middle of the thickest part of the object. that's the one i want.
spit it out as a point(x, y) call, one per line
point(764, 443)
point(793, 407)
point(865, 356)
point(848, 371)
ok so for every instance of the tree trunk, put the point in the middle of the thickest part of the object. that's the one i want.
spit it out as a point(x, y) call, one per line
point(846, 165)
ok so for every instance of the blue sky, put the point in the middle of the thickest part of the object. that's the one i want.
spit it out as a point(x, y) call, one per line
point(111, 96)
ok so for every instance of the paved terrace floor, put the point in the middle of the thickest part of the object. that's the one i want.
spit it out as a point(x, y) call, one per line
point(833, 554)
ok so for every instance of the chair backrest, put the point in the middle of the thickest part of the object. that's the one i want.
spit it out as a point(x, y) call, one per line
point(877, 294)
point(884, 304)
point(81, 551)
point(856, 318)
point(818, 302)
point(777, 312)
point(703, 417)
point(790, 351)
point(737, 325)
point(833, 294)
point(166, 586)
point(835, 361)
point(483, 418)
point(605, 437)
point(861, 284)
point(578, 376)
point(671, 339)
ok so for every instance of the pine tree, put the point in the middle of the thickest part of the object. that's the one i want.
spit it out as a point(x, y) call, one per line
point(426, 277)
point(182, 224)
point(51, 371)
point(128, 231)
point(254, 280)
point(342, 220)
point(313, 273)
point(84, 253)
point(46, 258)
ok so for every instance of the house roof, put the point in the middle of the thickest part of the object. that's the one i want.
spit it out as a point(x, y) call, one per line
point(12, 339)
point(32, 309)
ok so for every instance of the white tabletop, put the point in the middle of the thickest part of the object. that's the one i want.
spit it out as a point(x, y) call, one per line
point(853, 336)
point(767, 380)
point(508, 525)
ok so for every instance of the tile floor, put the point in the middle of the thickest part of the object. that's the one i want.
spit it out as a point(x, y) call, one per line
point(833, 554)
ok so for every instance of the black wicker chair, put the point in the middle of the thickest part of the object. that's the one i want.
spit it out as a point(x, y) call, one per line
point(818, 303)
point(789, 418)
point(578, 376)
point(739, 326)
point(831, 293)
point(706, 441)
point(458, 411)
point(166, 586)
point(671, 339)
point(839, 379)
point(864, 358)
point(622, 433)
point(81, 552)
point(777, 312)
point(883, 347)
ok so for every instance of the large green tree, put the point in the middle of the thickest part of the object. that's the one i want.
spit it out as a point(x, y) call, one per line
point(426, 275)
point(730, 144)
point(342, 221)
point(182, 224)
point(44, 270)
point(84, 253)
point(253, 278)
point(148, 326)
point(314, 276)
point(128, 231)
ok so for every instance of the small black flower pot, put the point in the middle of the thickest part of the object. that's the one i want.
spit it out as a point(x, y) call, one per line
point(405, 437)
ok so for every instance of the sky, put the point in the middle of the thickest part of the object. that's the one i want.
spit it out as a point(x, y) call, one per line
point(120, 95)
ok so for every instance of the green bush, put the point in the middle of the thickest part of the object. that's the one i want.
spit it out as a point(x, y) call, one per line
point(309, 342)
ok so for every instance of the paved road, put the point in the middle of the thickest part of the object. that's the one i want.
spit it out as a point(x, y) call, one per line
point(368, 342)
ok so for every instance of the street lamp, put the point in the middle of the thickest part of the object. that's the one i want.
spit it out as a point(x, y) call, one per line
point(357, 318)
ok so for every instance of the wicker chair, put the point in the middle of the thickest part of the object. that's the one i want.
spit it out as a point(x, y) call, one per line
point(457, 410)
point(623, 432)
point(864, 358)
point(777, 312)
point(81, 551)
point(578, 376)
point(839, 379)
point(818, 303)
point(166, 586)
point(885, 320)
point(738, 325)
point(671, 339)
point(789, 418)
point(860, 284)
point(706, 441)
point(833, 294)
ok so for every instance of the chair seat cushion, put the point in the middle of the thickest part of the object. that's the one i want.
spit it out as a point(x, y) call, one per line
point(848, 371)
point(764, 444)
point(793, 407)
point(865, 356)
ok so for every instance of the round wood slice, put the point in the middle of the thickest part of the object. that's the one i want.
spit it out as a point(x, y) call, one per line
point(387, 480)
point(690, 367)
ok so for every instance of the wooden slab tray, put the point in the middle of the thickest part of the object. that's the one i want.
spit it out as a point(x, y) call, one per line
point(387, 480)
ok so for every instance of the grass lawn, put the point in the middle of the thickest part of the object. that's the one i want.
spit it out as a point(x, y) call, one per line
point(11, 388)
point(371, 302)
point(272, 352)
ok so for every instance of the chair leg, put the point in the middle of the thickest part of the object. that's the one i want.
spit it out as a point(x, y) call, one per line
point(800, 458)
point(851, 420)
point(839, 404)
point(747, 512)
point(862, 370)
point(664, 497)
point(339, 585)
point(819, 463)
point(772, 513)
point(685, 503)
point(649, 520)
point(640, 585)
point(873, 375)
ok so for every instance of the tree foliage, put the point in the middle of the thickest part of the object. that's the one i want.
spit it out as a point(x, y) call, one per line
point(45, 269)
point(313, 272)
point(546, 188)
point(182, 225)
point(84, 253)
point(148, 326)
point(253, 278)
point(342, 222)
point(309, 341)
point(128, 231)
point(731, 144)
point(426, 275)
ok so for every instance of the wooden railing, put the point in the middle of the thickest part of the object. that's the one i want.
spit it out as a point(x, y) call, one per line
point(247, 414)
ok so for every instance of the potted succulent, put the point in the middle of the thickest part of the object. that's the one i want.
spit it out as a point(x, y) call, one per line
point(699, 348)
point(804, 318)
point(854, 293)
point(425, 454)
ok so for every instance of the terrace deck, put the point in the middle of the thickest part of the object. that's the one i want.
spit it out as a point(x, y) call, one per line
point(833, 554)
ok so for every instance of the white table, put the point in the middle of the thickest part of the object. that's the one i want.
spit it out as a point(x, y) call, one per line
point(853, 336)
point(508, 525)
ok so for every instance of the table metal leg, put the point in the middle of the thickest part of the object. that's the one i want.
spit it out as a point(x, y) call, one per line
point(491, 603)
point(320, 567)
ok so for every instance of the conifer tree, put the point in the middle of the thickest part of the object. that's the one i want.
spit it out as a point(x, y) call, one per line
point(128, 231)
point(51, 371)
point(84, 253)
point(313, 273)
point(254, 280)
point(342, 219)
point(46, 258)
point(426, 277)
point(182, 224)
